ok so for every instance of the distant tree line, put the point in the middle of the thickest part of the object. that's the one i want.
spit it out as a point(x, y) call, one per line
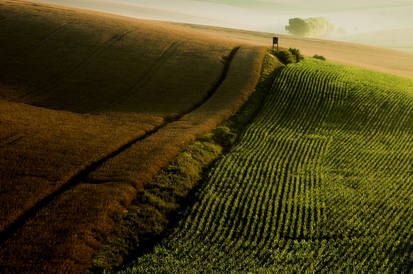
point(313, 26)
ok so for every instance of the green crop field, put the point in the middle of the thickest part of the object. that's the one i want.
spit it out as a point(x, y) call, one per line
point(320, 180)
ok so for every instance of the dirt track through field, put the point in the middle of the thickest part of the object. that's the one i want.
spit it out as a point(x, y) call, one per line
point(72, 182)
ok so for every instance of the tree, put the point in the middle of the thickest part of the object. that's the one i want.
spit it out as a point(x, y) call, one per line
point(313, 26)
point(297, 26)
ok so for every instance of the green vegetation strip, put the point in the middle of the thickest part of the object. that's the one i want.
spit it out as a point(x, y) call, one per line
point(321, 180)
point(149, 215)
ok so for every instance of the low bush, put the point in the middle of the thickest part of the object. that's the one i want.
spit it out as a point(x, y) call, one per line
point(319, 57)
point(224, 136)
point(296, 52)
point(285, 56)
point(289, 56)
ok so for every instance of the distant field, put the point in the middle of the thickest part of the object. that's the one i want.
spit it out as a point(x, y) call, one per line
point(400, 39)
point(321, 180)
point(353, 54)
point(83, 92)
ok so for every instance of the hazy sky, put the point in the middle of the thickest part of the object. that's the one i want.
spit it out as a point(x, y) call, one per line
point(264, 15)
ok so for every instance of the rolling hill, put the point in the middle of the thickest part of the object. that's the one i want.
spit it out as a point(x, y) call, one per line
point(82, 93)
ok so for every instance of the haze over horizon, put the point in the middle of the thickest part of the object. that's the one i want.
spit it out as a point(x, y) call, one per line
point(379, 22)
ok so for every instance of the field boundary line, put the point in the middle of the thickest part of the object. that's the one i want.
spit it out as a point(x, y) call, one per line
point(12, 140)
point(50, 34)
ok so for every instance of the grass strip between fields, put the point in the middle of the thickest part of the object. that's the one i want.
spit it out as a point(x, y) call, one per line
point(159, 203)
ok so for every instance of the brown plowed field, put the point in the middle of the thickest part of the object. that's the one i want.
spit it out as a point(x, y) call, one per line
point(92, 106)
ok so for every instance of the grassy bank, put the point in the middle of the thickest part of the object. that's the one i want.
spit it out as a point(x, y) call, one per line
point(157, 204)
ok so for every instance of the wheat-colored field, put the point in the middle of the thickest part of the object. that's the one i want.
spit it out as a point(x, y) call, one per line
point(92, 107)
